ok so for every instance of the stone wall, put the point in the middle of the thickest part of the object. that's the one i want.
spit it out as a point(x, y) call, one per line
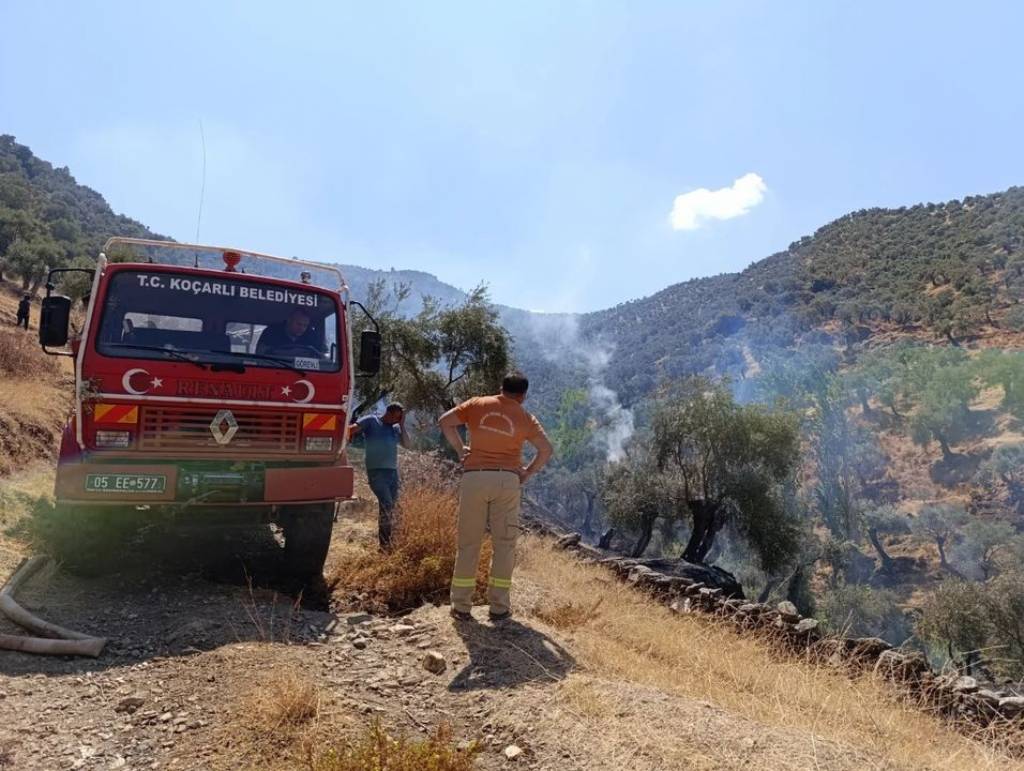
point(699, 589)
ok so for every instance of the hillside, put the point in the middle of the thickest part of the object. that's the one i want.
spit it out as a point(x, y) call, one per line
point(48, 219)
point(206, 671)
point(937, 270)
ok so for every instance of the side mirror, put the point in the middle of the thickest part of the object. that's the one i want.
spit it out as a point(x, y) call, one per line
point(369, 352)
point(54, 320)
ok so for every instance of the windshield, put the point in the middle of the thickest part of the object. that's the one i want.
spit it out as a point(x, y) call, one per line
point(158, 315)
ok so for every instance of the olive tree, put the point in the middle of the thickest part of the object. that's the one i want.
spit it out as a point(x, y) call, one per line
point(939, 523)
point(880, 522)
point(1006, 465)
point(636, 495)
point(733, 464)
point(437, 357)
point(943, 411)
point(978, 621)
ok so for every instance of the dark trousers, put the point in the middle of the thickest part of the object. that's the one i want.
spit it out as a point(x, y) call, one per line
point(384, 483)
point(22, 320)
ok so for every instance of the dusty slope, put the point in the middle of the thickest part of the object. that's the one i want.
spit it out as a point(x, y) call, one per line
point(625, 685)
point(34, 399)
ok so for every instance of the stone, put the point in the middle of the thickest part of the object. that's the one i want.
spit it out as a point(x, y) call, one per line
point(129, 704)
point(567, 541)
point(434, 662)
point(1012, 704)
point(868, 647)
point(359, 643)
point(788, 612)
point(402, 629)
point(897, 665)
point(639, 573)
point(513, 751)
point(965, 684)
point(705, 575)
point(806, 626)
point(354, 619)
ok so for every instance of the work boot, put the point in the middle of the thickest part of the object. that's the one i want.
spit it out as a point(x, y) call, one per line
point(461, 615)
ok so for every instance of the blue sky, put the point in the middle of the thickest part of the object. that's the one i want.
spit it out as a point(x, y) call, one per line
point(539, 147)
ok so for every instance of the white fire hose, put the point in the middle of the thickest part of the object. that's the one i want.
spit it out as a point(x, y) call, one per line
point(54, 640)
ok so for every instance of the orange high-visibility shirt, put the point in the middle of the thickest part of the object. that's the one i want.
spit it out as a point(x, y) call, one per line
point(498, 427)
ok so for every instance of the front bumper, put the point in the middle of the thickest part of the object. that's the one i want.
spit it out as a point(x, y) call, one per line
point(204, 484)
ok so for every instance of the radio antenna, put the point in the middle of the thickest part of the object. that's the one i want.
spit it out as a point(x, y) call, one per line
point(202, 189)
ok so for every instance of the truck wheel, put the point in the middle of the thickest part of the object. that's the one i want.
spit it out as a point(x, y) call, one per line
point(83, 539)
point(307, 537)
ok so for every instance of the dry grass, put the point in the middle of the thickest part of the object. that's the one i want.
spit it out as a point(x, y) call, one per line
point(568, 615)
point(419, 567)
point(641, 643)
point(283, 701)
point(279, 718)
point(21, 356)
point(379, 751)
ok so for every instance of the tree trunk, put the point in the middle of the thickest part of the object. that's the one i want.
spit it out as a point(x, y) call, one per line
point(943, 562)
point(702, 538)
point(587, 528)
point(947, 453)
point(646, 531)
point(886, 560)
point(952, 340)
point(768, 589)
point(865, 407)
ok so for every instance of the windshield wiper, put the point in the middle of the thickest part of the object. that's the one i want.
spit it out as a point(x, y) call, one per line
point(169, 351)
point(265, 357)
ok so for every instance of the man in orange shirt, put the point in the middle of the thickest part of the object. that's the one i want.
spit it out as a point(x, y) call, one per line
point(493, 473)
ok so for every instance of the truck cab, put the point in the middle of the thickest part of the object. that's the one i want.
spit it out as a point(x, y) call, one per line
point(210, 383)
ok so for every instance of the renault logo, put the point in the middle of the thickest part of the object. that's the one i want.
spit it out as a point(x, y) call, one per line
point(223, 427)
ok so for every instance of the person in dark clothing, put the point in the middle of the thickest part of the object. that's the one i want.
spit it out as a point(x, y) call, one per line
point(23, 308)
point(293, 333)
point(382, 435)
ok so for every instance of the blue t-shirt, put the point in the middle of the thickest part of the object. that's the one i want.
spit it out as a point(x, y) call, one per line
point(381, 442)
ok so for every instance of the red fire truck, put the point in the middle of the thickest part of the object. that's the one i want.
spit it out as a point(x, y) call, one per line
point(209, 382)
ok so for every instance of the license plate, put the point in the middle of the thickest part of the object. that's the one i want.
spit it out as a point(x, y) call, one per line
point(125, 483)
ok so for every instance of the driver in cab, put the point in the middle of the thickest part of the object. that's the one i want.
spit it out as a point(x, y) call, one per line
point(293, 333)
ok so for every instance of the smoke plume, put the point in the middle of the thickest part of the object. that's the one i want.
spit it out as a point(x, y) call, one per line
point(560, 341)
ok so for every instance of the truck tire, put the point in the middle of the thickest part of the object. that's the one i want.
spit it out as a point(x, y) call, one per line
point(83, 539)
point(307, 538)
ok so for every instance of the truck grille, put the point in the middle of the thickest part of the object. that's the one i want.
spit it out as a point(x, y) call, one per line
point(189, 429)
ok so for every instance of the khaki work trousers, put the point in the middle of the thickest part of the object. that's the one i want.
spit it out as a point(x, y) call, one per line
point(488, 500)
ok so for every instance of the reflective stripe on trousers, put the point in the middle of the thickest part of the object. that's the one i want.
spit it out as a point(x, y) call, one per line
point(488, 500)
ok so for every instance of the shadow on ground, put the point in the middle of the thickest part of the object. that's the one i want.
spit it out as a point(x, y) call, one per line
point(507, 655)
point(164, 591)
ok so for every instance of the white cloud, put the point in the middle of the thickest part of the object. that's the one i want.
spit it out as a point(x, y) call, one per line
point(693, 209)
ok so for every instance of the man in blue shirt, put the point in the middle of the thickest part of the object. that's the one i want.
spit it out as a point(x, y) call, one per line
point(382, 434)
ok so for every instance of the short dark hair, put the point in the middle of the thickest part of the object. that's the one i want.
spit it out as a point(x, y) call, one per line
point(515, 383)
point(394, 407)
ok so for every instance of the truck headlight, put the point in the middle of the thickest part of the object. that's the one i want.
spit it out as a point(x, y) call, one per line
point(319, 443)
point(120, 439)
